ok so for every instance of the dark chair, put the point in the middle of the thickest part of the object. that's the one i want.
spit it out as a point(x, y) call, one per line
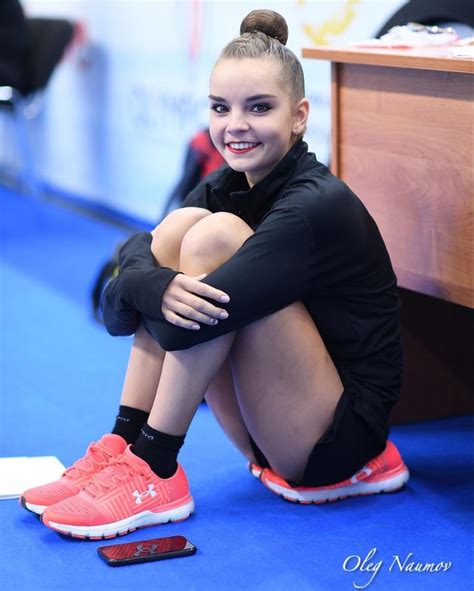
point(44, 45)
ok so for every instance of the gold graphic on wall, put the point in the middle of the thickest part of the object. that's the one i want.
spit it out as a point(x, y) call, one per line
point(333, 26)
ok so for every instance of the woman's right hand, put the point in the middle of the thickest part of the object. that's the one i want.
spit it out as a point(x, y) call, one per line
point(183, 305)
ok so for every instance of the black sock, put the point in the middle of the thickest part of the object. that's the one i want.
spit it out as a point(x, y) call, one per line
point(159, 450)
point(129, 423)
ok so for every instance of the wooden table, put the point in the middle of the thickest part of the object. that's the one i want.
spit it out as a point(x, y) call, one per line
point(402, 139)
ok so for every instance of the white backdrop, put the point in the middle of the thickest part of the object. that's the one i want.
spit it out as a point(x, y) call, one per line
point(123, 104)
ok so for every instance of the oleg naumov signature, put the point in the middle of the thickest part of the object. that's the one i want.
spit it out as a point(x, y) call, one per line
point(405, 563)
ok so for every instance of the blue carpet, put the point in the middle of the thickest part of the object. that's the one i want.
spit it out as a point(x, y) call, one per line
point(60, 379)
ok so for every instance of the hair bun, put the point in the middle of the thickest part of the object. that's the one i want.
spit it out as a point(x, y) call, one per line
point(266, 21)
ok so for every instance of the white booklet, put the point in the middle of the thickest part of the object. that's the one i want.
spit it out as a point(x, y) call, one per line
point(18, 474)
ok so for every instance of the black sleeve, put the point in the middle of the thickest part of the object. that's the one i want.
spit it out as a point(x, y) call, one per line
point(270, 271)
point(137, 267)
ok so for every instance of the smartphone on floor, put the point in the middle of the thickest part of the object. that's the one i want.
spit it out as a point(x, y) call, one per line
point(146, 550)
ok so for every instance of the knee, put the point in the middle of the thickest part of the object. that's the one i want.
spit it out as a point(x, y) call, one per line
point(184, 218)
point(170, 232)
point(217, 236)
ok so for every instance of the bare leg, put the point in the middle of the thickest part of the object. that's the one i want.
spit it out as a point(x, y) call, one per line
point(143, 372)
point(241, 403)
point(222, 400)
point(146, 356)
point(287, 385)
point(186, 375)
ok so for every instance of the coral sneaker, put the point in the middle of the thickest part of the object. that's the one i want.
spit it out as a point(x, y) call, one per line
point(126, 495)
point(385, 473)
point(255, 470)
point(76, 477)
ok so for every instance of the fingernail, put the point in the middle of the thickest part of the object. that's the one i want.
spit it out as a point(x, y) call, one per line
point(195, 327)
point(224, 298)
point(224, 314)
point(214, 321)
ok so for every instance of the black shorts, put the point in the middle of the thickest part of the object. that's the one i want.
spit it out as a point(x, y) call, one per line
point(345, 448)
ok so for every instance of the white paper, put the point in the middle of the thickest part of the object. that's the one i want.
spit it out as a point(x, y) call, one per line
point(18, 474)
point(460, 51)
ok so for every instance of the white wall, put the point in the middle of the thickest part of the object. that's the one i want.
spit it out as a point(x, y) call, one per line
point(121, 107)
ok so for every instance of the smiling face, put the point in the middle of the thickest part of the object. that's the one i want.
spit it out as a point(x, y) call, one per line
point(254, 119)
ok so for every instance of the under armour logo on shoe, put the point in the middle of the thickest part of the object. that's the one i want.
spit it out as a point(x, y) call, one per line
point(361, 475)
point(139, 496)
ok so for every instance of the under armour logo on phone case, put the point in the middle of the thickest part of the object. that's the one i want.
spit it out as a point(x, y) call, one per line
point(141, 549)
point(139, 496)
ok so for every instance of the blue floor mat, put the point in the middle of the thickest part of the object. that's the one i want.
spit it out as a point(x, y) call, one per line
point(60, 380)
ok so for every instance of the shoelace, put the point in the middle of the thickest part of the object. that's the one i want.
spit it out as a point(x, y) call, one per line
point(117, 472)
point(95, 456)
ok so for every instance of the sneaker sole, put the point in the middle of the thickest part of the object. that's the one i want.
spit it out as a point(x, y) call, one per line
point(32, 508)
point(123, 526)
point(390, 482)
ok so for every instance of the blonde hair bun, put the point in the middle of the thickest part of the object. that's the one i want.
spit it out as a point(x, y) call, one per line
point(266, 21)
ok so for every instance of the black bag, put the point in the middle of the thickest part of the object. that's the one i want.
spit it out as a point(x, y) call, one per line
point(107, 272)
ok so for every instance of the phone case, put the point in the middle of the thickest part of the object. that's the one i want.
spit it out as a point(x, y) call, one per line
point(146, 550)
